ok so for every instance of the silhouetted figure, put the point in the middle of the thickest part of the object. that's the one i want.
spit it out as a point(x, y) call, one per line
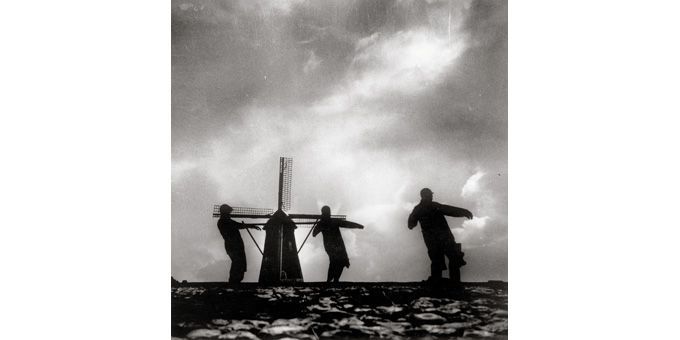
point(233, 243)
point(437, 235)
point(333, 243)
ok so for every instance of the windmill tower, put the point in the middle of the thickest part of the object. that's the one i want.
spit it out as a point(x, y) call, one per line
point(280, 261)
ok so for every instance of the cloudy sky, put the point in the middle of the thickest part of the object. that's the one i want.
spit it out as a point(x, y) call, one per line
point(373, 100)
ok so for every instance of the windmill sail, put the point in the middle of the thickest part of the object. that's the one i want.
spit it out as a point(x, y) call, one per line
point(285, 179)
point(245, 212)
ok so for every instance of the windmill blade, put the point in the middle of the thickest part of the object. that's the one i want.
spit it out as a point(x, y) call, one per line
point(252, 211)
point(314, 217)
point(304, 221)
point(285, 182)
point(245, 212)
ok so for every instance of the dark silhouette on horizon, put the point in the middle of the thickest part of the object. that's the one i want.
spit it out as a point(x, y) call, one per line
point(437, 235)
point(333, 243)
point(280, 260)
point(233, 243)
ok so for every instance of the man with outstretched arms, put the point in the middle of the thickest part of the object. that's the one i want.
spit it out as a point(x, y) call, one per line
point(438, 237)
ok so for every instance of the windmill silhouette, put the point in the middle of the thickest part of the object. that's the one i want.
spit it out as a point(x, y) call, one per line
point(280, 261)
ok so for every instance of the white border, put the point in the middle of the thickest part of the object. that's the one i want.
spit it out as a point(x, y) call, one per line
point(84, 136)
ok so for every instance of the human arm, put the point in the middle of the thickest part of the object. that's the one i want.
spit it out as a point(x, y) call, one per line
point(412, 219)
point(316, 229)
point(248, 226)
point(454, 211)
point(351, 225)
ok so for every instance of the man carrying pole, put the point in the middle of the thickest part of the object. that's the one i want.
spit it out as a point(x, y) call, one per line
point(233, 243)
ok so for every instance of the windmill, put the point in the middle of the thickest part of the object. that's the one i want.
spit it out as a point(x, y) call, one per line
point(280, 261)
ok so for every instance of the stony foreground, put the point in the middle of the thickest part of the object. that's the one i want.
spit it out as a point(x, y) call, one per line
point(345, 310)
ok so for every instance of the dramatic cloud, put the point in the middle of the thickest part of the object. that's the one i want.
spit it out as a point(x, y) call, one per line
point(373, 100)
point(471, 185)
point(475, 222)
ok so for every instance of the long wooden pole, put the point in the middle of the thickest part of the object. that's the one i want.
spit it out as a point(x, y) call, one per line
point(309, 233)
point(257, 245)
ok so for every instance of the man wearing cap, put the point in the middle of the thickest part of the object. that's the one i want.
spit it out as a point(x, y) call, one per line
point(437, 235)
point(233, 242)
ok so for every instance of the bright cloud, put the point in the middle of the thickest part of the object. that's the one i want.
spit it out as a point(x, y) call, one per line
point(406, 62)
point(476, 222)
point(312, 63)
point(472, 184)
point(180, 168)
point(271, 6)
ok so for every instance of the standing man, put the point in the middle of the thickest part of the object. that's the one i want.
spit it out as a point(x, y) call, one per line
point(437, 235)
point(233, 242)
point(333, 243)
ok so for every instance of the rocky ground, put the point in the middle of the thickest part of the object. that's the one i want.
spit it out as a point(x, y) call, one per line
point(344, 310)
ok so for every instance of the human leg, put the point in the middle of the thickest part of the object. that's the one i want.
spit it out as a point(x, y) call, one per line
point(454, 255)
point(237, 269)
point(238, 265)
point(329, 276)
point(337, 270)
point(331, 268)
point(437, 263)
point(435, 252)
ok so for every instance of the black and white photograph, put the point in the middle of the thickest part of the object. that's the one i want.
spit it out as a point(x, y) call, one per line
point(339, 169)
